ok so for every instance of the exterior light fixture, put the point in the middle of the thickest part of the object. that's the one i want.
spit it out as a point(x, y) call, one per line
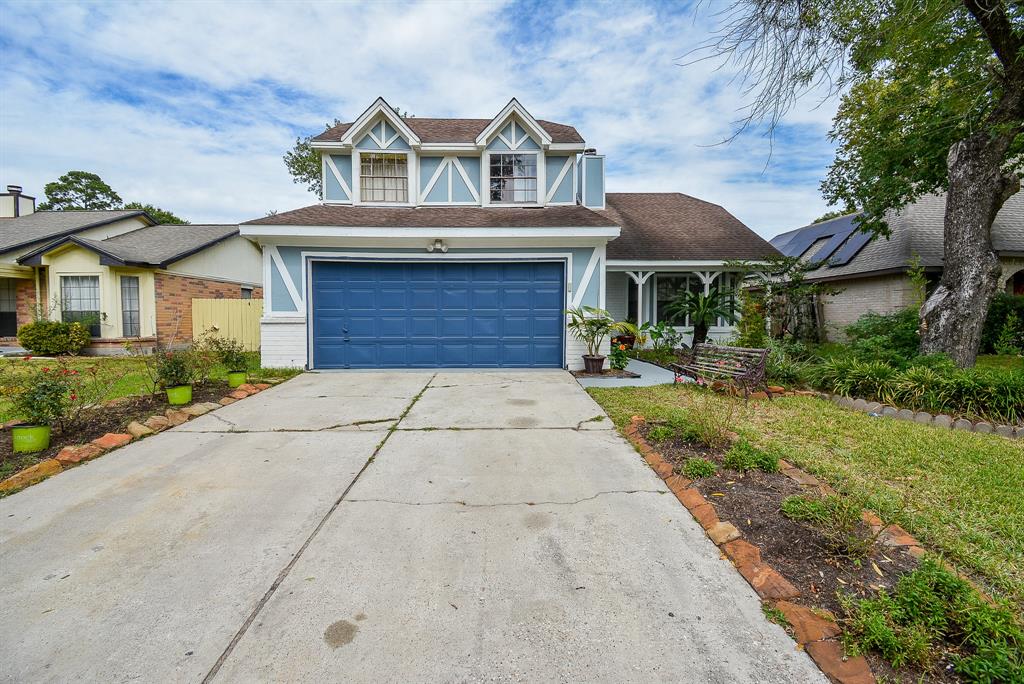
point(437, 245)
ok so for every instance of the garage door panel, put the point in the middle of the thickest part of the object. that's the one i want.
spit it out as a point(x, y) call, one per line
point(371, 315)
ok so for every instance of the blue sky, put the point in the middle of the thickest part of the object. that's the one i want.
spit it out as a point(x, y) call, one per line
point(190, 105)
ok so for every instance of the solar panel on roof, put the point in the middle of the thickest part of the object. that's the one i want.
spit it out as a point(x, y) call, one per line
point(851, 248)
point(836, 231)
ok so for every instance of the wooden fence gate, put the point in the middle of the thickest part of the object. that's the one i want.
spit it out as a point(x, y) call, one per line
point(238, 319)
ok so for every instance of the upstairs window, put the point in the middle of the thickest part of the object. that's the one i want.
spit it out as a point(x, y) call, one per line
point(383, 177)
point(514, 178)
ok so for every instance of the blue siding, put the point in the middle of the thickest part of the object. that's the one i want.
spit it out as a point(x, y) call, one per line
point(415, 315)
point(439, 193)
point(281, 300)
point(367, 143)
point(460, 193)
point(472, 167)
point(399, 144)
point(333, 189)
point(528, 144)
point(498, 145)
point(428, 165)
point(553, 166)
point(594, 190)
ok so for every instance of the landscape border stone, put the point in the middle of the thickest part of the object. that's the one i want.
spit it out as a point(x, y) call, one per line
point(75, 454)
point(939, 420)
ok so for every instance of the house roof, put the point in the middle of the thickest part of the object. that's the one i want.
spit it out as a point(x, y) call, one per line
point(671, 226)
point(153, 246)
point(916, 230)
point(47, 225)
point(573, 216)
point(455, 130)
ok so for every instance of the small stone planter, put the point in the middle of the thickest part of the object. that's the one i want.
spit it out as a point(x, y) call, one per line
point(27, 439)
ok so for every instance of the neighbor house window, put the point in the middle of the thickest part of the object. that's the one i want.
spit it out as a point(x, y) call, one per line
point(130, 306)
point(80, 301)
point(8, 307)
point(514, 178)
point(383, 177)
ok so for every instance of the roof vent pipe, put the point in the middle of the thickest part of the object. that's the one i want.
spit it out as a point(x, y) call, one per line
point(14, 189)
point(590, 151)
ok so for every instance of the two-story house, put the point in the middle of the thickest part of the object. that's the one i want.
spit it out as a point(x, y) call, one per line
point(461, 242)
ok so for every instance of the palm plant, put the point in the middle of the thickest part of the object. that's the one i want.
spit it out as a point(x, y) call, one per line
point(703, 310)
point(591, 326)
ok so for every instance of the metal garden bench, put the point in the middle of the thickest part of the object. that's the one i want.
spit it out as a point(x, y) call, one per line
point(743, 367)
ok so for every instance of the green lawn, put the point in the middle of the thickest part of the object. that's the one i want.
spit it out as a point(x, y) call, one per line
point(999, 361)
point(128, 374)
point(959, 493)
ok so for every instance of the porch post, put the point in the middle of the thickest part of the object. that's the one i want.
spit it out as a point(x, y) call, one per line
point(640, 277)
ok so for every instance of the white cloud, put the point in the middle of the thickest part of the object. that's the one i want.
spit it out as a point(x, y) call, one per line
point(191, 105)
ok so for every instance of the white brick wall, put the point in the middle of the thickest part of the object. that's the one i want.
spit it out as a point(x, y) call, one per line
point(283, 343)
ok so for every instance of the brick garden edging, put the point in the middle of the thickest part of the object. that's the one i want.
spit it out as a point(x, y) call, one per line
point(71, 456)
point(940, 420)
point(815, 633)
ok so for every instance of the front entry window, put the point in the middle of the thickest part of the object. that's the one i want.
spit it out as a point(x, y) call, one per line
point(80, 301)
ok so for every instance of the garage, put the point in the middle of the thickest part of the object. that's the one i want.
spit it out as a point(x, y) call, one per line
point(378, 314)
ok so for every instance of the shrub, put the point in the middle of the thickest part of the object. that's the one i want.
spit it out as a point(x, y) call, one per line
point(618, 359)
point(710, 418)
point(999, 311)
point(39, 396)
point(838, 518)
point(931, 605)
point(174, 368)
point(892, 338)
point(752, 326)
point(781, 367)
point(1011, 336)
point(229, 352)
point(743, 456)
point(696, 468)
point(52, 338)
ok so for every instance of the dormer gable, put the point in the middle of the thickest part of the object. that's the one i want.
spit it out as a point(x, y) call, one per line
point(514, 126)
point(375, 123)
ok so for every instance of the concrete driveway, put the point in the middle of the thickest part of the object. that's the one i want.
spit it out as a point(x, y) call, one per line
point(377, 527)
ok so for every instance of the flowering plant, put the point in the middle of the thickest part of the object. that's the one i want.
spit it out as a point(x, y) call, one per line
point(174, 368)
point(618, 359)
point(56, 393)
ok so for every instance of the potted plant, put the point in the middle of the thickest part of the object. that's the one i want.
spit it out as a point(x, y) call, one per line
point(590, 326)
point(231, 354)
point(174, 370)
point(41, 398)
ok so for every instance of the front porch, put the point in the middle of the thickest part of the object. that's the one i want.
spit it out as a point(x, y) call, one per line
point(640, 292)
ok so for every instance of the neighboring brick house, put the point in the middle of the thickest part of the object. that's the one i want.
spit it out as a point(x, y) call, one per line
point(871, 271)
point(133, 280)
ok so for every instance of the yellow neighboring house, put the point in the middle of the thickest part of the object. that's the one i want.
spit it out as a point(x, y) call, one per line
point(131, 279)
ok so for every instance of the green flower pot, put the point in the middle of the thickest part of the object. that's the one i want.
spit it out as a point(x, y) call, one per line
point(236, 378)
point(182, 394)
point(30, 438)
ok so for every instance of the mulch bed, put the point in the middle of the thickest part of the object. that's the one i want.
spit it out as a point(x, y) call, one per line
point(610, 373)
point(113, 417)
point(798, 551)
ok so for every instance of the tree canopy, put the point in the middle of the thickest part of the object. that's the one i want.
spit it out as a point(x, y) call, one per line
point(86, 190)
point(303, 162)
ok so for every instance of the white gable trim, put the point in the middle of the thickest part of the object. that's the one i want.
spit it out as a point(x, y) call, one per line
point(569, 163)
point(286, 277)
point(337, 175)
point(498, 122)
point(380, 107)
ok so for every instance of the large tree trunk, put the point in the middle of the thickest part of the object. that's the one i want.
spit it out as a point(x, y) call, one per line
point(953, 316)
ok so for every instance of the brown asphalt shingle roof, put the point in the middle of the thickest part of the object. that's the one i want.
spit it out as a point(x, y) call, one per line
point(455, 130)
point(437, 217)
point(49, 225)
point(671, 226)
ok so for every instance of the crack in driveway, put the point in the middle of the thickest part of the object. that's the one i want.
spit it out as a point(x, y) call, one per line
point(509, 503)
point(298, 554)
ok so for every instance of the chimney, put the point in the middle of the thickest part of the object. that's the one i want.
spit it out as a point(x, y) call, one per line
point(14, 204)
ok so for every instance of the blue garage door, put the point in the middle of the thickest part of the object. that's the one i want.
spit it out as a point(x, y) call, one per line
point(448, 315)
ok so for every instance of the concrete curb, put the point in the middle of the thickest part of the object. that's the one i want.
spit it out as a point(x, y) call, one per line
point(817, 634)
point(939, 420)
point(75, 454)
